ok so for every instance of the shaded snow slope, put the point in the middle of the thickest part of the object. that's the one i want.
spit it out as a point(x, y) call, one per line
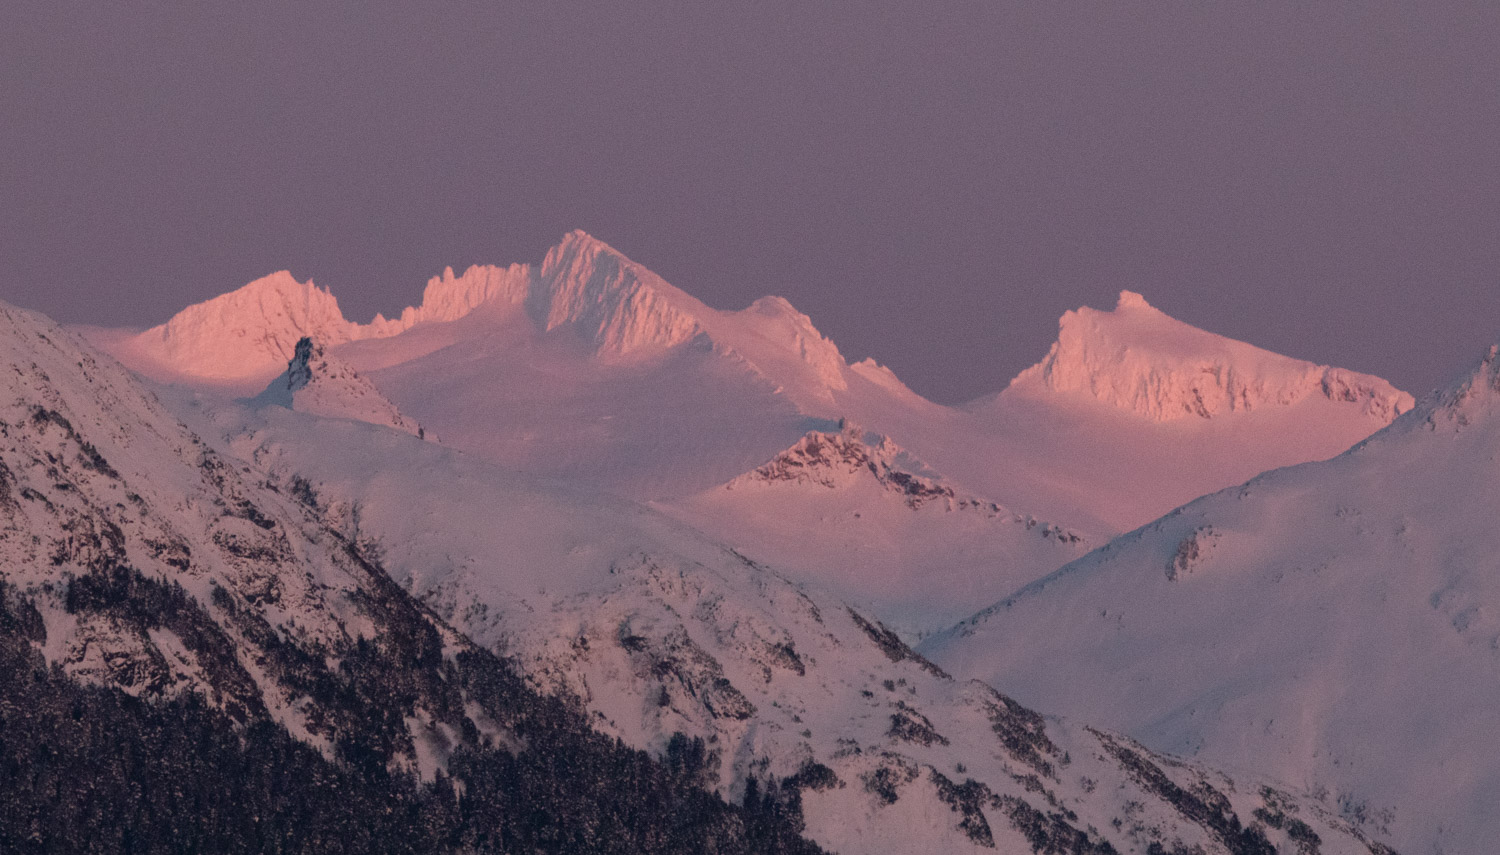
point(856, 513)
point(321, 384)
point(658, 630)
point(160, 566)
point(1331, 624)
point(137, 557)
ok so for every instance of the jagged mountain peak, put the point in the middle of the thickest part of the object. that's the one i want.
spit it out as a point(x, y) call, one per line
point(841, 458)
point(1138, 359)
point(300, 371)
point(617, 307)
point(321, 384)
point(855, 513)
point(580, 244)
point(1133, 300)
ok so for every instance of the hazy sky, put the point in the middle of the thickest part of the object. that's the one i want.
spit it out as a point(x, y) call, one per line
point(933, 183)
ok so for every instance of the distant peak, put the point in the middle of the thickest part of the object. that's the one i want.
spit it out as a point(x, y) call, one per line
point(775, 305)
point(842, 458)
point(280, 281)
point(1141, 360)
point(618, 306)
point(579, 243)
point(249, 332)
point(280, 286)
point(581, 238)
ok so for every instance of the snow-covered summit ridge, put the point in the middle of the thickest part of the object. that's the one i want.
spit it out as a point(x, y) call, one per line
point(246, 329)
point(617, 305)
point(318, 383)
point(619, 308)
point(1138, 359)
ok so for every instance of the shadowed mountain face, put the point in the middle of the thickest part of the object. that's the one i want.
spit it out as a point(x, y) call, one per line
point(194, 663)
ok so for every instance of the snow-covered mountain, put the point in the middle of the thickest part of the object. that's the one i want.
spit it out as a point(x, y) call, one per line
point(592, 369)
point(659, 630)
point(251, 571)
point(1331, 624)
point(194, 662)
point(616, 308)
point(855, 513)
point(1139, 360)
point(1133, 413)
point(324, 385)
point(248, 334)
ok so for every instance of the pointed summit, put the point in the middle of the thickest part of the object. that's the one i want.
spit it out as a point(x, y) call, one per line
point(1132, 300)
point(1138, 359)
point(619, 306)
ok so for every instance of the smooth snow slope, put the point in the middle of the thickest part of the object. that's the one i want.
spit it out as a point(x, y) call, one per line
point(1332, 624)
point(658, 630)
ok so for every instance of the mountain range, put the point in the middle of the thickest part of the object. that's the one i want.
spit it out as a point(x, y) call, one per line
point(589, 369)
point(563, 525)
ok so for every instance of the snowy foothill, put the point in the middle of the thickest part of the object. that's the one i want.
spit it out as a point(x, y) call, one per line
point(1331, 625)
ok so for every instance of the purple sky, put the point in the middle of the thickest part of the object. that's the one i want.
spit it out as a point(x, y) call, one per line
point(1321, 179)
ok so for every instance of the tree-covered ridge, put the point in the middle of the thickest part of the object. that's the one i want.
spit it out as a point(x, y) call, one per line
point(92, 769)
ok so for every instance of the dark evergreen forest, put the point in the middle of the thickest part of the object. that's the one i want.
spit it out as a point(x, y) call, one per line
point(91, 769)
